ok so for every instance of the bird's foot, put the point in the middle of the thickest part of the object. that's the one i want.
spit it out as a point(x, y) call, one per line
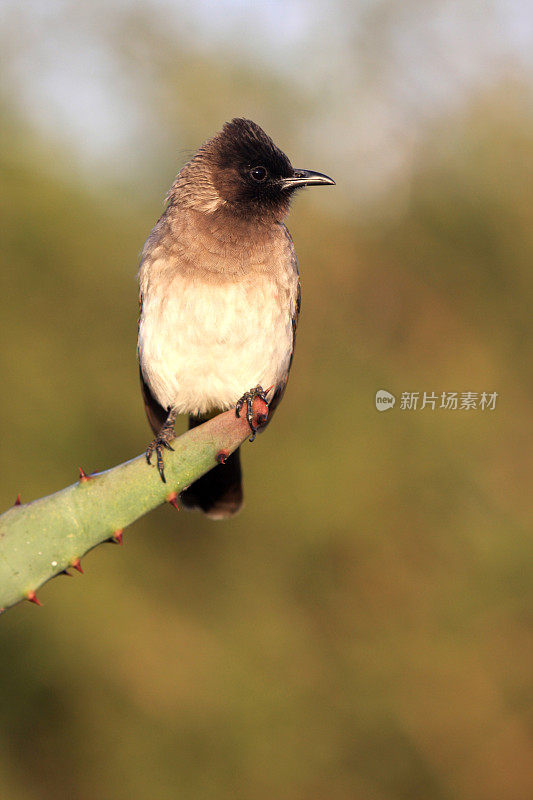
point(248, 400)
point(162, 440)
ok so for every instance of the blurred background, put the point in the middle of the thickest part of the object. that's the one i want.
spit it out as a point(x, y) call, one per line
point(363, 629)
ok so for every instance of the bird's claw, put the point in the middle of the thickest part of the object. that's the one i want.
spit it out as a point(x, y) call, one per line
point(248, 399)
point(162, 440)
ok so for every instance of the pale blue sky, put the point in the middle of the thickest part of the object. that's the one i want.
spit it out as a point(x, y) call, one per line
point(378, 71)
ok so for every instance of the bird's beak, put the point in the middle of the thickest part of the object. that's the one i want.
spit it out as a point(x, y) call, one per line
point(305, 177)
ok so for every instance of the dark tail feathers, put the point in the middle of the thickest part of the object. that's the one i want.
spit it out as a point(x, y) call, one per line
point(218, 493)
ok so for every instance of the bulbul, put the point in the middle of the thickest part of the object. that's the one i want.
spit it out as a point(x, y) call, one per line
point(220, 296)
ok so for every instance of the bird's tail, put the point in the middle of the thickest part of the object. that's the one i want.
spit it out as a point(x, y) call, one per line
point(218, 493)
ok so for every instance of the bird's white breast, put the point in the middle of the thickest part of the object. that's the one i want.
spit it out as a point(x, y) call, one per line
point(203, 344)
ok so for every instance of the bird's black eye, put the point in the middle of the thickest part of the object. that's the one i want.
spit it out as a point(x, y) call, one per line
point(259, 174)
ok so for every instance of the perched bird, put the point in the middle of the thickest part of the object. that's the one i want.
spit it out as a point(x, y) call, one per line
point(220, 296)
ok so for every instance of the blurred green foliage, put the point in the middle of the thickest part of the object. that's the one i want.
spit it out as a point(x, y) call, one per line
point(362, 629)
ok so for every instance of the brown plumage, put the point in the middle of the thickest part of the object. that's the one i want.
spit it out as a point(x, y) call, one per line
point(220, 295)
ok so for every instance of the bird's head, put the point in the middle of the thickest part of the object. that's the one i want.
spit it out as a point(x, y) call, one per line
point(242, 170)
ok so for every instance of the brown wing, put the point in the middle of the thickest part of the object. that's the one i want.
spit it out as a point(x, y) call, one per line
point(280, 388)
point(154, 411)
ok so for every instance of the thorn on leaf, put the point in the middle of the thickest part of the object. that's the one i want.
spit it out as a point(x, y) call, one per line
point(172, 498)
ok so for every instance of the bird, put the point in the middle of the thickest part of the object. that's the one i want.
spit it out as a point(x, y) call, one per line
point(219, 297)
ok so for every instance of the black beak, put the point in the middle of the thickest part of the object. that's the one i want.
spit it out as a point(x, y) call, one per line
point(305, 177)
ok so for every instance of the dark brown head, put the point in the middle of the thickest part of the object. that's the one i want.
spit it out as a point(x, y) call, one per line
point(242, 170)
